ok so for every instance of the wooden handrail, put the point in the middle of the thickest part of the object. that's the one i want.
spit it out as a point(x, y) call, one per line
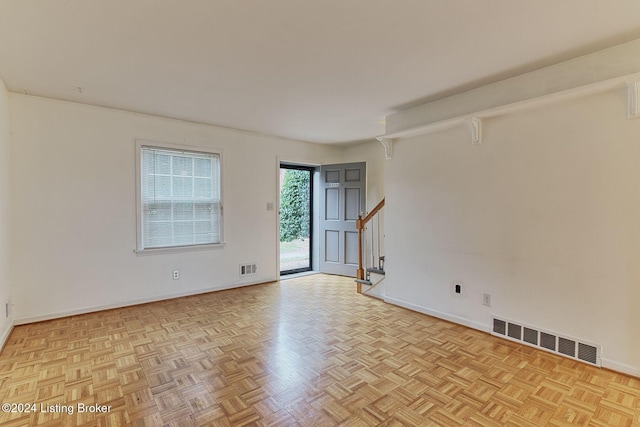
point(360, 223)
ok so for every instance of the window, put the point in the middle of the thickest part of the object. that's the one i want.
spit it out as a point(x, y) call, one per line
point(179, 198)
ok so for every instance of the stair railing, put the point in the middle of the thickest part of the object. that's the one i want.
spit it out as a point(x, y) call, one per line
point(361, 225)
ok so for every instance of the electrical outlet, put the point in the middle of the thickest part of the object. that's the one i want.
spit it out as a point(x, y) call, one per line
point(486, 300)
point(176, 274)
point(457, 287)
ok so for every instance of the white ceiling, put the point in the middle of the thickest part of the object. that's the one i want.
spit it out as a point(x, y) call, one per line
point(318, 70)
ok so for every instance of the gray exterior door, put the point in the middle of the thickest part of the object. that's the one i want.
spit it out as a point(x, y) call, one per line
point(342, 199)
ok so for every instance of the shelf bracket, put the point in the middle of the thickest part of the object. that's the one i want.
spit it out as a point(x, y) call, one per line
point(388, 147)
point(633, 100)
point(476, 130)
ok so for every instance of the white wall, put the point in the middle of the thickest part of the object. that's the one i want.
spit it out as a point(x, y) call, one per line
point(74, 207)
point(372, 153)
point(544, 215)
point(5, 220)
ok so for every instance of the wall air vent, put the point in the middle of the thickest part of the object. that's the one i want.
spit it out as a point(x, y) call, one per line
point(549, 341)
point(514, 331)
point(248, 269)
point(567, 347)
point(588, 353)
point(530, 336)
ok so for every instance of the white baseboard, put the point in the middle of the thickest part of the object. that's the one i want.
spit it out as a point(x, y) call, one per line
point(5, 335)
point(634, 371)
point(440, 315)
point(85, 310)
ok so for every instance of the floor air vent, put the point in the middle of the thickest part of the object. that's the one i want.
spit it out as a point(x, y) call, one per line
point(569, 347)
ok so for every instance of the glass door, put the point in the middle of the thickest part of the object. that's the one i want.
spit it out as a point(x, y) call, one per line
point(296, 225)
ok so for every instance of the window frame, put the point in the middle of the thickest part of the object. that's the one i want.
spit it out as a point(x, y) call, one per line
point(140, 249)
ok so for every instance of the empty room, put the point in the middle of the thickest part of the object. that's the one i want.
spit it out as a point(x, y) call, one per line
point(320, 213)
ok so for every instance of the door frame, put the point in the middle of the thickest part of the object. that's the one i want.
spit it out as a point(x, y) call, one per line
point(314, 212)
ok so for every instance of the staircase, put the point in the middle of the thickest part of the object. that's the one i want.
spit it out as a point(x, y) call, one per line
point(370, 272)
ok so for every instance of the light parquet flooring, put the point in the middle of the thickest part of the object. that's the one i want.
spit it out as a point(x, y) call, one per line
point(307, 351)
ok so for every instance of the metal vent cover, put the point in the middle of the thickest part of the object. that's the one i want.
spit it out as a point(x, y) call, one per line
point(549, 341)
point(587, 353)
point(530, 336)
point(248, 269)
point(567, 347)
point(514, 331)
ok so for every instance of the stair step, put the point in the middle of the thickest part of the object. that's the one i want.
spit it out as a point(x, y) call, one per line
point(375, 270)
point(364, 282)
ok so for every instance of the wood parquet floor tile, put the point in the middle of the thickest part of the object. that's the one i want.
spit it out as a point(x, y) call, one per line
point(307, 351)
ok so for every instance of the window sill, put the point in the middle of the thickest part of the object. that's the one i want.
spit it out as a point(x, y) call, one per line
point(178, 249)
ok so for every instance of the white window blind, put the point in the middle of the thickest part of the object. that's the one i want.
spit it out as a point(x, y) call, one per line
point(180, 198)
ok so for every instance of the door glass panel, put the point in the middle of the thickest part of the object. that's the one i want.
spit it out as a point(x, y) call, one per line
point(295, 219)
